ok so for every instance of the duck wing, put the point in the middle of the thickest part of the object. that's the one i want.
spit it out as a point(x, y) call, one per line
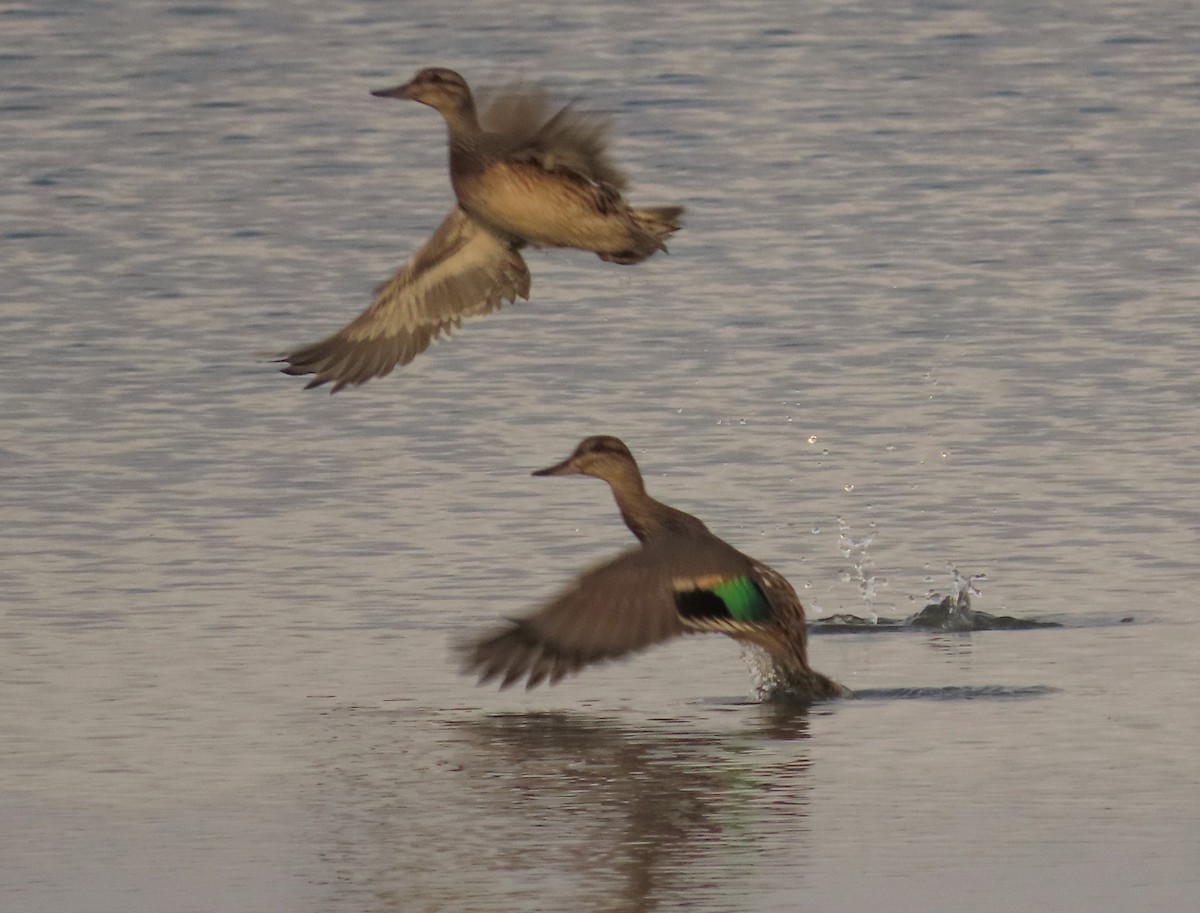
point(569, 140)
point(464, 270)
point(642, 597)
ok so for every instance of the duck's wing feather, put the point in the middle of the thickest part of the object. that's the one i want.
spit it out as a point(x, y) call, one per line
point(464, 270)
point(626, 604)
point(568, 141)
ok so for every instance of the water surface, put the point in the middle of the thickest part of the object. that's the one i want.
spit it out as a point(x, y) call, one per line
point(935, 305)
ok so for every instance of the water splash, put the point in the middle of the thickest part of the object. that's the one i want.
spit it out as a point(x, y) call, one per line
point(964, 587)
point(763, 674)
point(952, 612)
point(862, 569)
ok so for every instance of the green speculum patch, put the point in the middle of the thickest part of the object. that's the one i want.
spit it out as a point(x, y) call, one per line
point(738, 598)
point(743, 599)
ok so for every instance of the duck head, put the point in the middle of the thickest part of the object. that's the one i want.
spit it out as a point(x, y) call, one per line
point(437, 87)
point(603, 456)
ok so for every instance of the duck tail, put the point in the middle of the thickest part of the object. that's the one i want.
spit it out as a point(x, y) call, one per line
point(659, 221)
point(651, 228)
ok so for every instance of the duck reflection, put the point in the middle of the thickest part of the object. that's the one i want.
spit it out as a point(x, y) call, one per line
point(563, 811)
point(672, 798)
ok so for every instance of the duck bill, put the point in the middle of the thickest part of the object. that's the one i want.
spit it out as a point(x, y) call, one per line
point(404, 91)
point(565, 468)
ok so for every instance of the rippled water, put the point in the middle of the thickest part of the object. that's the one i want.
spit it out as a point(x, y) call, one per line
point(935, 304)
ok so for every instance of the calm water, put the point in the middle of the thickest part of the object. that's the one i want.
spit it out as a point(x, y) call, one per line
point(935, 304)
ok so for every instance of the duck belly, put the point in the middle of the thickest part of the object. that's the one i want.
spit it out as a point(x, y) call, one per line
point(545, 210)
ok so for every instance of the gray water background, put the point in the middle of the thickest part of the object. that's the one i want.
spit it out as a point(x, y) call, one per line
point(935, 304)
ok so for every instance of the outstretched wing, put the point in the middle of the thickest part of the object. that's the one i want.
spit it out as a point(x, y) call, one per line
point(462, 271)
point(621, 606)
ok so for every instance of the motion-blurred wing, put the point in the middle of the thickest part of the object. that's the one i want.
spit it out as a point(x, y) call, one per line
point(616, 608)
point(569, 140)
point(462, 271)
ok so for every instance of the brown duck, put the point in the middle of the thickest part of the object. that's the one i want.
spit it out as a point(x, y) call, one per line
point(681, 579)
point(521, 178)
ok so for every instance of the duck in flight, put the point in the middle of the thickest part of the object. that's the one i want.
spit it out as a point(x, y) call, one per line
point(681, 579)
point(521, 178)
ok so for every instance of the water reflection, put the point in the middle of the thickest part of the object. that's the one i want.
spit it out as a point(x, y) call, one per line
point(575, 811)
point(666, 792)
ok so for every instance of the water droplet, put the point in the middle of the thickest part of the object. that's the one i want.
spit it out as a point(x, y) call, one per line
point(849, 486)
point(890, 447)
point(812, 438)
point(816, 530)
point(824, 451)
point(945, 454)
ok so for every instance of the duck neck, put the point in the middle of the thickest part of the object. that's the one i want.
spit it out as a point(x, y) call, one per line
point(466, 136)
point(638, 509)
point(647, 518)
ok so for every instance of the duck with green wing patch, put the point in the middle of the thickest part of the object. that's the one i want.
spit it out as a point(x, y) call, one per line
point(681, 579)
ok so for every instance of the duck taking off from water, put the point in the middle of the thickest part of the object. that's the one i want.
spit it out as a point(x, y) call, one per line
point(521, 178)
point(681, 579)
